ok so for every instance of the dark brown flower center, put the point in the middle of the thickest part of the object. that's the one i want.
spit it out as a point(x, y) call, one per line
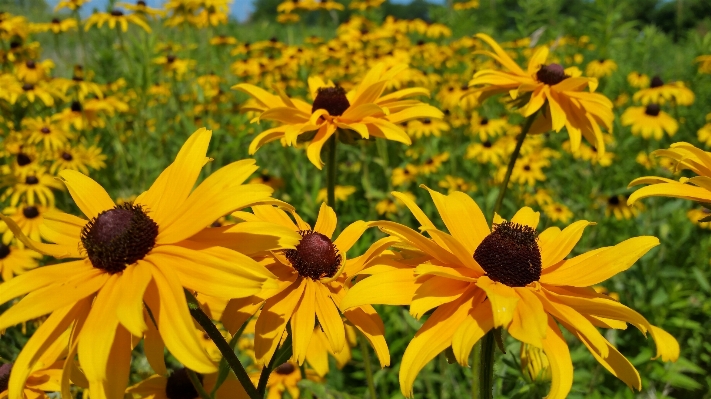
point(315, 257)
point(510, 255)
point(31, 180)
point(55, 21)
point(332, 99)
point(551, 74)
point(656, 82)
point(4, 252)
point(30, 212)
point(285, 369)
point(28, 87)
point(527, 168)
point(45, 130)
point(652, 110)
point(5, 370)
point(23, 159)
point(614, 200)
point(76, 106)
point(170, 58)
point(487, 144)
point(116, 13)
point(67, 156)
point(119, 237)
point(30, 64)
point(179, 385)
point(484, 122)
point(141, 3)
point(426, 121)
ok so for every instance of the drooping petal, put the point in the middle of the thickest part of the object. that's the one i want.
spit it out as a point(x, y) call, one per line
point(390, 288)
point(272, 320)
point(436, 291)
point(503, 298)
point(478, 322)
point(132, 285)
point(529, 319)
point(561, 365)
point(303, 321)
point(329, 318)
point(326, 221)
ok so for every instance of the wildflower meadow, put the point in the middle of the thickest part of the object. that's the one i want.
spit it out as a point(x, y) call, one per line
point(355, 199)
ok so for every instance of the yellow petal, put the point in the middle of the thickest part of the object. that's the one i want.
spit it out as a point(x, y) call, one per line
point(527, 217)
point(432, 338)
point(57, 251)
point(89, 196)
point(303, 321)
point(503, 298)
point(673, 190)
point(350, 235)
point(154, 347)
point(529, 320)
point(326, 220)
point(436, 291)
point(317, 354)
point(391, 288)
point(132, 285)
point(329, 318)
point(556, 249)
point(272, 320)
point(667, 345)
point(615, 363)
point(39, 278)
point(561, 365)
point(586, 271)
point(478, 322)
point(313, 151)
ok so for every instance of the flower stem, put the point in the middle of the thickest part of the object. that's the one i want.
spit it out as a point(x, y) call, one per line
point(197, 384)
point(331, 167)
point(368, 367)
point(222, 345)
point(512, 161)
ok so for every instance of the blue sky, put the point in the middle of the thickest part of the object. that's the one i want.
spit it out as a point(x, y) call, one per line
point(240, 8)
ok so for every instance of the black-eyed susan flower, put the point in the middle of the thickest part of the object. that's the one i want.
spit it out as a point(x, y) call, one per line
point(33, 72)
point(177, 384)
point(15, 261)
point(175, 65)
point(616, 205)
point(115, 18)
point(658, 92)
point(704, 62)
point(638, 80)
point(485, 128)
point(133, 254)
point(141, 8)
point(29, 218)
point(70, 4)
point(58, 26)
point(487, 152)
point(684, 156)
point(548, 86)
point(649, 121)
point(535, 364)
point(466, 5)
point(557, 212)
point(474, 279)
point(427, 127)
point(404, 175)
point(68, 158)
point(46, 132)
point(601, 68)
point(454, 183)
point(364, 111)
point(696, 215)
point(433, 163)
point(363, 5)
point(704, 132)
point(312, 279)
point(33, 188)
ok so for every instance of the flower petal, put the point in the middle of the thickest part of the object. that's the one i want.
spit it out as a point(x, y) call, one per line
point(326, 221)
point(303, 321)
point(329, 318)
point(503, 298)
point(527, 217)
point(478, 322)
point(89, 196)
point(556, 249)
point(272, 320)
point(561, 365)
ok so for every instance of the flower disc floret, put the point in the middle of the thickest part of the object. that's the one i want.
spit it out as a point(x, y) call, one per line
point(119, 237)
point(551, 74)
point(510, 255)
point(179, 385)
point(332, 99)
point(315, 257)
point(30, 212)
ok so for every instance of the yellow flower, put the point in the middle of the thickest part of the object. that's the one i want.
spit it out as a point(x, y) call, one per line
point(28, 217)
point(363, 5)
point(390, 207)
point(178, 384)
point(15, 261)
point(685, 156)
point(453, 183)
point(51, 135)
point(284, 378)
point(133, 254)
point(659, 93)
point(704, 63)
point(113, 18)
point(364, 111)
point(638, 80)
point(548, 86)
point(475, 279)
point(649, 121)
point(140, 8)
point(535, 364)
point(341, 193)
point(486, 128)
point(542, 197)
point(34, 72)
point(601, 68)
point(319, 349)
point(35, 186)
point(288, 18)
point(558, 212)
point(312, 280)
point(433, 163)
point(175, 65)
point(466, 5)
point(704, 134)
point(487, 152)
point(404, 175)
point(527, 171)
point(70, 4)
point(618, 207)
point(426, 127)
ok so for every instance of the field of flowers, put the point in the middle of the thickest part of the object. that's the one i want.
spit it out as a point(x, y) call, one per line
point(331, 201)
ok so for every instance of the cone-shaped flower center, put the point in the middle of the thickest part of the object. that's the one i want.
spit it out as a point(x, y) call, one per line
point(119, 237)
point(487, 144)
point(23, 159)
point(116, 13)
point(332, 99)
point(652, 110)
point(285, 369)
point(510, 255)
point(5, 370)
point(67, 156)
point(30, 64)
point(551, 74)
point(484, 121)
point(4, 252)
point(656, 82)
point(55, 20)
point(28, 87)
point(31, 180)
point(76, 106)
point(315, 257)
point(45, 130)
point(179, 385)
point(30, 212)
point(614, 200)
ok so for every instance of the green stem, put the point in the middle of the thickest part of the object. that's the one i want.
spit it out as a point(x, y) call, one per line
point(368, 367)
point(512, 161)
point(331, 168)
point(197, 384)
point(222, 345)
point(278, 359)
